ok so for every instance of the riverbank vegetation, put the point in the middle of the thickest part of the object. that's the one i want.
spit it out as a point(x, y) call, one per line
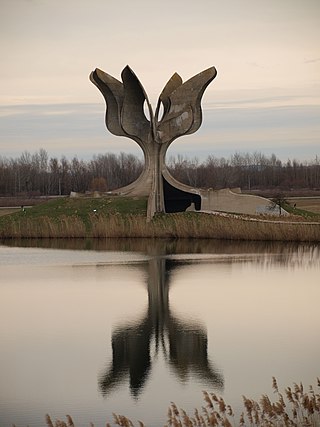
point(295, 407)
point(116, 216)
point(46, 183)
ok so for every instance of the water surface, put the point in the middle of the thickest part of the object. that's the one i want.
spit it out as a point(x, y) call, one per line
point(91, 327)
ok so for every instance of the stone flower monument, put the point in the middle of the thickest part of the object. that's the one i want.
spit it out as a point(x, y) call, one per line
point(181, 116)
point(178, 113)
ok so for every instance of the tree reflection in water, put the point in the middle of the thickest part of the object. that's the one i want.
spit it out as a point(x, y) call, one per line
point(184, 344)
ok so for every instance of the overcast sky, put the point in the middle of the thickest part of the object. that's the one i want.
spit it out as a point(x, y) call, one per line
point(265, 98)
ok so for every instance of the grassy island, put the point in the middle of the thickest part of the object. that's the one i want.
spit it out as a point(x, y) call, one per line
point(117, 216)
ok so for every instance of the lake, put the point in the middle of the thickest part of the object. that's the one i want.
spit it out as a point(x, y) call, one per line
point(92, 327)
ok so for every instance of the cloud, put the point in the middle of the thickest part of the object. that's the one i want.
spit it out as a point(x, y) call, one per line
point(311, 61)
point(49, 50)
point(79, 129)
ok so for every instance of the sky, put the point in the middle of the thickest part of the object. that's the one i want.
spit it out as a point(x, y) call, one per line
point(265, 98)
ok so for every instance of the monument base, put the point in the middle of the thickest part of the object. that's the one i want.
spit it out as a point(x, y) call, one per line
point(201, 200)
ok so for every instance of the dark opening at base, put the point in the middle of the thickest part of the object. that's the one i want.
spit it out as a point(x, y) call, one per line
point(176, 200)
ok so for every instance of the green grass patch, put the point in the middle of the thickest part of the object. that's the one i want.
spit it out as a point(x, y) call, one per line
point(301, 212)
point(83, 207)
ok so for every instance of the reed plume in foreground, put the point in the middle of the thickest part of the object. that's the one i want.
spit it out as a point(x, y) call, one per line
point(295, 408)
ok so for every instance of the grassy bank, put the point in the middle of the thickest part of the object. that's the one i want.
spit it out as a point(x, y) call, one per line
point(126, 217)
point(295, 407)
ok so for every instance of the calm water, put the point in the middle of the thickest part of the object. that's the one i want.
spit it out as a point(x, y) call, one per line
point(88, 328)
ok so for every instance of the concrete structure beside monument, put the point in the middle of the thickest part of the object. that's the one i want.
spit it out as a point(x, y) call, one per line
point(181, 115)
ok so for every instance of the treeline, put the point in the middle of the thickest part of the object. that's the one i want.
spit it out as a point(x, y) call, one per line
point(247, 171)
point(36, 174)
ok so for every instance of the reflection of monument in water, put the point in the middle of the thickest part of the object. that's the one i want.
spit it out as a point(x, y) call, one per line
point(183, 343)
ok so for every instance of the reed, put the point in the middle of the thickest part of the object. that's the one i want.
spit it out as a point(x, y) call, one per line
point(114, 219)
point(44, 227)
point(295, 407)
point(198, 225)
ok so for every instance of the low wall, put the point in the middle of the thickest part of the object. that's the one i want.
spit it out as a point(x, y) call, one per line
point(234, 201)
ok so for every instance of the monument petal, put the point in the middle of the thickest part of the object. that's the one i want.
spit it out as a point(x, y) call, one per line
point(133, 119)
point(182, 112)
point(173, 83)
point(113, 93)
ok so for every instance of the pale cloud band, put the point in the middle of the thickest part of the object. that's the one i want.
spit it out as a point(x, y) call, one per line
point(79, 130)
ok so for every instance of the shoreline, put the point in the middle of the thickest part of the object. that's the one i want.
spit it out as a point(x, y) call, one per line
point(119, 217)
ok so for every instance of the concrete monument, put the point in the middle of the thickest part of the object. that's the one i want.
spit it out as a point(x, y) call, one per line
point(178, 113)
point(181, 116)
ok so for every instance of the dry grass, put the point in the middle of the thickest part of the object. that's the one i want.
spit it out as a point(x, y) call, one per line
point(295, 407)
point(126, 217)
point(178, 225)
point(44, 227)
point(200, 225)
